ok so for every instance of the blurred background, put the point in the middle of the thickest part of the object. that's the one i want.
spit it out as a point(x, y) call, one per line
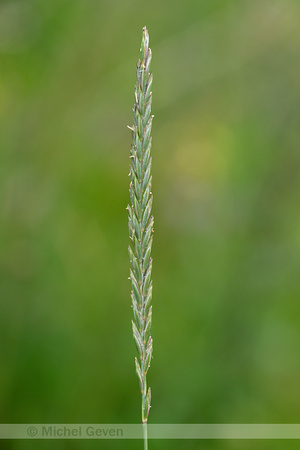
point(226, 184)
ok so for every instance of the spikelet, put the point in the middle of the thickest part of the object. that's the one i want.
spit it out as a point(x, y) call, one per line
point(140, 221)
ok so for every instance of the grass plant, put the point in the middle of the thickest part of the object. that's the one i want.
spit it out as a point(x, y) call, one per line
point(140, 223)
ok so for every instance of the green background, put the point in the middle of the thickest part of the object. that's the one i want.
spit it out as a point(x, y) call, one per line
point(226, 185)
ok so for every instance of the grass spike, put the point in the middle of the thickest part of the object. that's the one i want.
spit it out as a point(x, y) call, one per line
point(141, 222)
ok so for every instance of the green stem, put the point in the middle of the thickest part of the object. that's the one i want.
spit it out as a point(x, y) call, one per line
point(145, 436)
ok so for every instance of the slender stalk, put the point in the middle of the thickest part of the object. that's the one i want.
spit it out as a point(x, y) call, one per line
point(145, 436)
point(140, 223)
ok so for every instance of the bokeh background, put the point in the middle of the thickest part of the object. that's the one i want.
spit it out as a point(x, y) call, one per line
point(226, 184)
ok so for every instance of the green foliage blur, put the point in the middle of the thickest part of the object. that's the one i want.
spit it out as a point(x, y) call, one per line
point(226, 185)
